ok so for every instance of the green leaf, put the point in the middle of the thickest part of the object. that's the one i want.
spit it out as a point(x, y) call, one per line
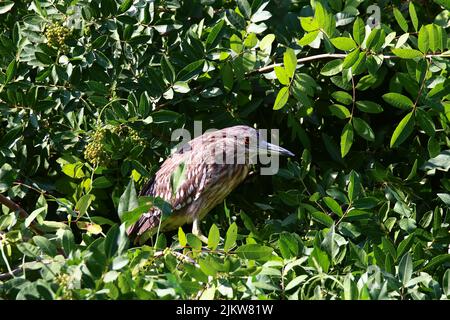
point(194, 242)
point(251, 41)
point(282, 75)
point(68, 242)
point(363, 129)
point(28, 249)
point(359, 31)
point(446, 283)
point(400, 20)
point(423, 40)
point(126, 4)
point(308, 38)
point(101, 183)
point(346, 139)
point(33, 215)
point(227, 77)
point(128, 200)
point(182, 237)
point(405, 245)
point(437, 261)
point(398, 100)
point(309, 24)
point(6, 6)
point(445, 197)
point(116, 241)
point(403, 130)
point(373, 39)
point(11, 70)
point(177, 177)
point(231, 236)
point(413, 16)
point(351, 59)
point(342, 97)
point(254, 252)
point(83, 204)
point(290, 62)
point(45, 245)
point(236, 44)
point(425, 122)
point(407, 53)
point(212, 36)
point(244, 8)
point(282, 98)
point(333, 205)
point(93, 228)
point(191, 70)
point(266, 43)
point(332, 67)
point(213, 237)
point(322, 218)
point(288, 245)
point(369, 106)
point(42, 57)
point(405, 269)
point(354, 188)
point(181, 87)
point(325, 19)
point(339, 111)
point(343, 43)
point(167, 69)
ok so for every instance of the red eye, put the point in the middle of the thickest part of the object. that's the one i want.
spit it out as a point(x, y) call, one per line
point(247, 141)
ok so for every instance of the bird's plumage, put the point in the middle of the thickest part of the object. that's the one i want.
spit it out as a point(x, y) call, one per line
point(208, 179)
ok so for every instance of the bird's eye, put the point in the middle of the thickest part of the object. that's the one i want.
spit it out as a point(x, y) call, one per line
point(247, 141)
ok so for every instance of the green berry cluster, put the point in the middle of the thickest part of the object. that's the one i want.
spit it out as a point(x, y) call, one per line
point(94, 152)
point(63, 281)
point(56, 34)
point(134, 136)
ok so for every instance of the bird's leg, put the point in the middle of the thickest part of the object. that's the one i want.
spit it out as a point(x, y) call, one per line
point(196, 230)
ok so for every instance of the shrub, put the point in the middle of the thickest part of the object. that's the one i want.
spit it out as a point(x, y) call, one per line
point(89, 96)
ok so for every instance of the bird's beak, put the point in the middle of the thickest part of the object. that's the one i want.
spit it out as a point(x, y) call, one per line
point(272, 148)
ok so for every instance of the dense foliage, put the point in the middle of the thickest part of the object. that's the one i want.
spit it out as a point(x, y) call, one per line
point(90, 92)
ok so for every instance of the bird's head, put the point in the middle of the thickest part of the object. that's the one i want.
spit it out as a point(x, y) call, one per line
point(252, 141)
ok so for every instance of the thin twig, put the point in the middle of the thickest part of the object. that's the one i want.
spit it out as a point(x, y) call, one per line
point(13, 273)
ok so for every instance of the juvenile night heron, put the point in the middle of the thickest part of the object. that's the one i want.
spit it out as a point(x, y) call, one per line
point(214, 164)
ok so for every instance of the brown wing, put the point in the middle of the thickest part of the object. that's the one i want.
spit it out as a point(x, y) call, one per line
point(160, 186)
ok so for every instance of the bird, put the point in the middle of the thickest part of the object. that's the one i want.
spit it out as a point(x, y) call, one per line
point(213, 165)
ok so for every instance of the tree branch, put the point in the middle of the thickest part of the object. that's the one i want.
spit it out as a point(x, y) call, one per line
point(22, 213)
point(329, 56)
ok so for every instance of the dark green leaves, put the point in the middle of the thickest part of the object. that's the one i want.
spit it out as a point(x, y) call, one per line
point(128, 200)
point(346, 139)
point(363, 129)
point(214, 33)
point(398, 100)
point(178, 177)
point(254, 252)
point(403, 130)
point(332, 67)
point(369, 106)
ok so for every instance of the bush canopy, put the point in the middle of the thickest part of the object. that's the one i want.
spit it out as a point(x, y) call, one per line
point(90, 92)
